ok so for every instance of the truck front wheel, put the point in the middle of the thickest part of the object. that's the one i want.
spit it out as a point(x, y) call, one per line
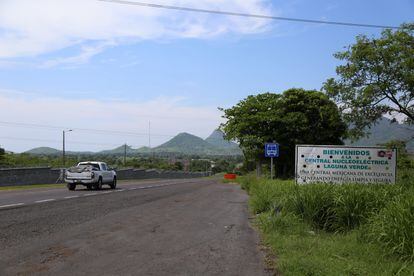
point(71, 186)
point(98, 185)
point(113, 184)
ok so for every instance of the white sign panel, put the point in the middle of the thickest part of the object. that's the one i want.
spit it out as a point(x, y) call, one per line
point(345, 164)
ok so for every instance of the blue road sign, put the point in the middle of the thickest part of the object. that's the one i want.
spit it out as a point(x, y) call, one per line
point(271, 150)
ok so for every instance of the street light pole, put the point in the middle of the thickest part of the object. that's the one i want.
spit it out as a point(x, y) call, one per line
point(63, 148)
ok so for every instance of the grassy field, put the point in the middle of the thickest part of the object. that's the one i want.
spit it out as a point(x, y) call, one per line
point(324, 229)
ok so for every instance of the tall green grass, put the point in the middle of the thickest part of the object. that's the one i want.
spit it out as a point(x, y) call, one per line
point(267, 196)
point(341, 208)
point(394, 226)
point(386, 212)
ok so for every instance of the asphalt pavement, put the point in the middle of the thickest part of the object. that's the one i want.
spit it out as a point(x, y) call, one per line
point(158, 227)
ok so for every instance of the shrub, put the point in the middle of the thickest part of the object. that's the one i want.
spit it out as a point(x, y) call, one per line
point(246, 181)
point(406, 178)
point(269, 195)
point(355, 203)
point(385, 212)
point(315, 204)
point(394, 226)
point(285, 223)
point(334, 207)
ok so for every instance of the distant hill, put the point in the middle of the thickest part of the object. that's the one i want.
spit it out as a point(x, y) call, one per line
point(144, 150)
point(215, 144)
point(183, 143)
point(119, 150)
point(217, 139)
point(386, 130)
point(187, 144)
point(44, 151)
point(52, 151)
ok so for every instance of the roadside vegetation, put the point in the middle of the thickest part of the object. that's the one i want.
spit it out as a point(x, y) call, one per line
point(33, 186)
point(328, 229)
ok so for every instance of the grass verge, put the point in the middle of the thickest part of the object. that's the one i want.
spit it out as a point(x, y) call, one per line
point(34, 186)
point(323, 229)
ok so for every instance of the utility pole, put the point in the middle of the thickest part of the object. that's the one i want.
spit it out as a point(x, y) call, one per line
point(149, 134)
point(63, 150)
point(125, 153)
point(149, 140)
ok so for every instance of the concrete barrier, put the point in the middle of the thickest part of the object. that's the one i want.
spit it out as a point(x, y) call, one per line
point(47, 175)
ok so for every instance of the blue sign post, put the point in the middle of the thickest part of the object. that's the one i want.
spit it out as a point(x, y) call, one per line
point(272, 151)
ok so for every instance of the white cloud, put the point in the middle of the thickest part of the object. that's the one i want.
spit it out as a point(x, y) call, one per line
point(31, 28)
point(167, 116)
point(87, 52)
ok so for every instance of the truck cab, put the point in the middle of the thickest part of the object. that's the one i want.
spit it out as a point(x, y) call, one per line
point(92, 174)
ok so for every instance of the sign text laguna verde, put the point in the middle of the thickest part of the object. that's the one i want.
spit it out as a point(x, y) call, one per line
point(343, 164)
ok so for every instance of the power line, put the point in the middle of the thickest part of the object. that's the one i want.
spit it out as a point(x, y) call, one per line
point(57, 141)
point(187, 9)
point(114, 132)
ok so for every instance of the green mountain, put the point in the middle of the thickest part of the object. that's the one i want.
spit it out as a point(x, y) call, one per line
point(217, 139)
point(119, 150)
point(385, 130)
point(187, 144)
point(52, 151)
point(44, 151)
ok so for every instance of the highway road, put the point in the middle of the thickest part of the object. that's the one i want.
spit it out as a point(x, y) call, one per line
point(152, 227)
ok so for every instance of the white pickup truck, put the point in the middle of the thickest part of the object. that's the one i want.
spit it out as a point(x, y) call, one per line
point(91, 174)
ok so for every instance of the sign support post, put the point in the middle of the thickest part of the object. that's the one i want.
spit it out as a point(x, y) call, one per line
point(272, 151)
point(271, 168)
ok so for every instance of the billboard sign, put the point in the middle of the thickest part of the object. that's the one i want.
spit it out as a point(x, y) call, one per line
point(345, 164)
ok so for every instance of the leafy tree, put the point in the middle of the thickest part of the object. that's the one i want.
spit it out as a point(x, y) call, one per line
point(403, 161)
point(2, 156)
point(295, 117)
point(377, 78)
point(222, 166)
point(200, 165)
point(179, 166)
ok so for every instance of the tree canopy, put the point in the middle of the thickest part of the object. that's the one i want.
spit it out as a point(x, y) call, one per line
point(295, 117)
point(2, 154)
point(377, 78)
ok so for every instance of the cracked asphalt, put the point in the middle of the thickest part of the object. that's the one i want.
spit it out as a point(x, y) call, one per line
point(194, 227)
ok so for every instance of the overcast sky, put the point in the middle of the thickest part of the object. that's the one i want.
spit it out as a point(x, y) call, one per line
point(88, 64)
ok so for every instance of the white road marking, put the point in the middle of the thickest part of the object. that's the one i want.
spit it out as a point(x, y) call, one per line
point(45, 200)
point(11, 205)
point(90, 194)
